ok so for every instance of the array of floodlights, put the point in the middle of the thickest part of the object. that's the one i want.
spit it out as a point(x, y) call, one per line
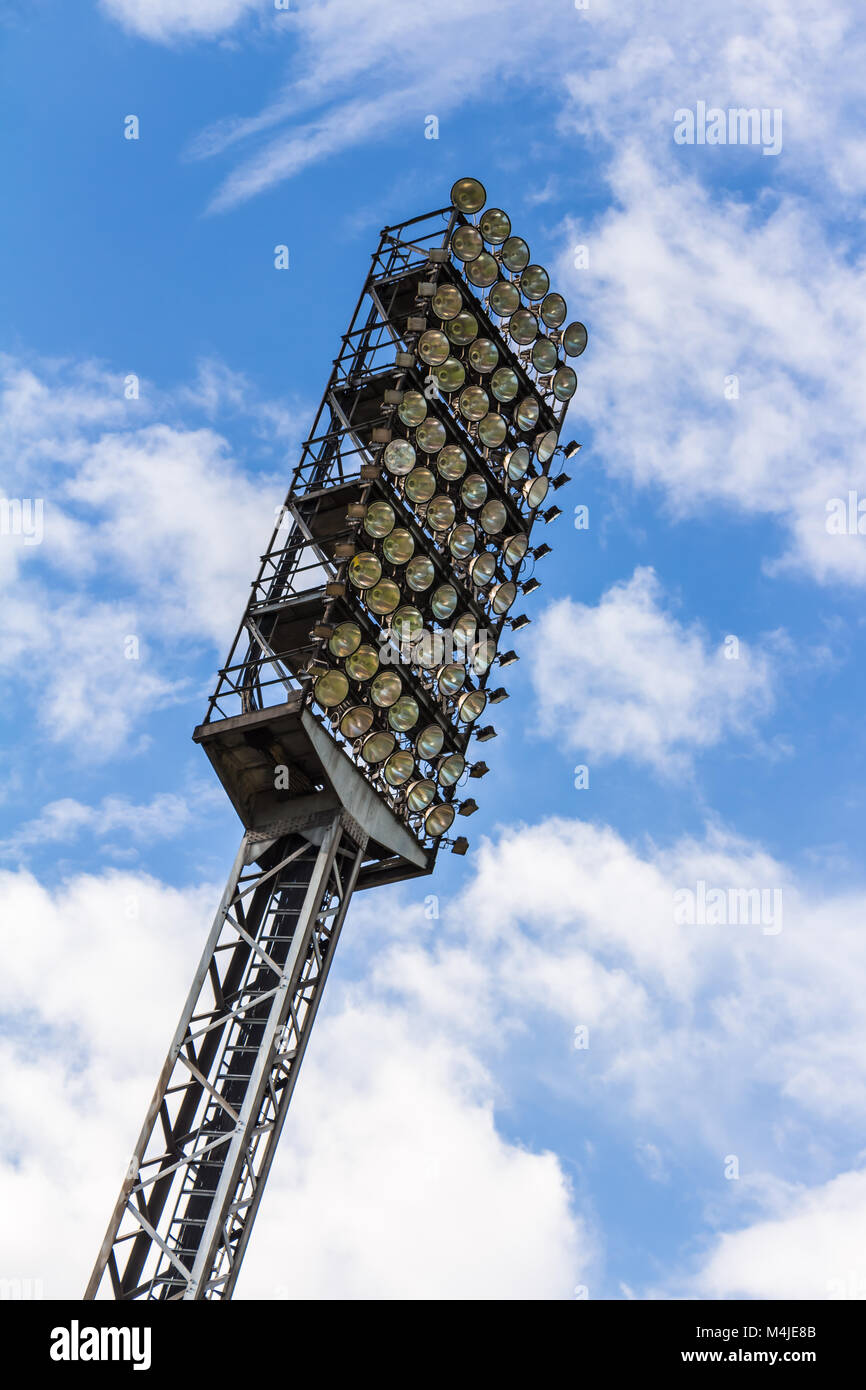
point(453, 495)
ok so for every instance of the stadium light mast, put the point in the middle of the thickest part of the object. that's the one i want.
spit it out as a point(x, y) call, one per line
point(341, 724)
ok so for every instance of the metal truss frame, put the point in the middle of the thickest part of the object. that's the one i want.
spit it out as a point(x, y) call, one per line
point(193, 1188)
point(182, 1221)
point(296, 568)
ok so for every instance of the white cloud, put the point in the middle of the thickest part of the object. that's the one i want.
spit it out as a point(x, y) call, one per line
point(70, 657)
point(691, 1026)
point(393, 1173)
point(626, 679)
point(97, 972)
point(686, 291)
point(815, 1249)
point(164, 816)
point(617, 71)
point(395, 1183)
point(151, 530)
point(392, 1180)
point(169, 20)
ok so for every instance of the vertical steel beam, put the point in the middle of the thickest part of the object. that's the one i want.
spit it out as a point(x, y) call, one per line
point(182, 1222)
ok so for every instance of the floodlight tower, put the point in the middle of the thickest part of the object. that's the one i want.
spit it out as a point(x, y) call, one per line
point(341, 724)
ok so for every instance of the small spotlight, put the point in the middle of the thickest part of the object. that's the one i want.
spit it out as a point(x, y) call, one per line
point(520, 622)
point(552, 513)
point(508, 658)
point(460, 845)
point(530, 586)
point(572, 449)
point(468, 807)
point(540, 552)
point(486, 734)
point(498, 696)
point(479, 770)
point(560, 481)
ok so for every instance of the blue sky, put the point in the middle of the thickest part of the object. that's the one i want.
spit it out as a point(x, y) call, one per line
point(458, 1141)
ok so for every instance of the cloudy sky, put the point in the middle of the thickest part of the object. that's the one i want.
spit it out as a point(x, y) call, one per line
point(546, 1082)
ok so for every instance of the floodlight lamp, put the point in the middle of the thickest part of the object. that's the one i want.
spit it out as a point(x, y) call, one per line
point(493, 517)
point(551, 514)
point(468, 807)
point(461, 330)
point(492, 430)
point(356, 721)
point(571, 449)
point(554, 310)
point(486, 734)
point(330, 688)
point(443, 601)
point(530, 586)
point(468, 244)
point(504, 384)
point(507, 658)
point(363, 663)
point(404, 714)
point(540, 552)
point(560, 481)
point(495, 226)
point(460, 845)
point(452, 462)
point(399, 768)
point(420, 485)
point(515, 254)
point(450, 769)
point(419, 794)
point(365, 570)
point(430, 436)
point(520, 622)
point(379, 519)
point(535, 282)
point(483, 355)
point(385, 689)
point(447, 302)
point(499, 695)
point(504, 298)
point(482, 271)
point(574, 339)
point(345, 639)
point(412, 408)
point(469, 195)
point(565, 383)
point(439, 819)
point(479, 770)
point(451, 375)
point(545, 445)
point(377, 747)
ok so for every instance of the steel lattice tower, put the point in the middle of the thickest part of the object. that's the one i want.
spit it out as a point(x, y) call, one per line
point(291, 728)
